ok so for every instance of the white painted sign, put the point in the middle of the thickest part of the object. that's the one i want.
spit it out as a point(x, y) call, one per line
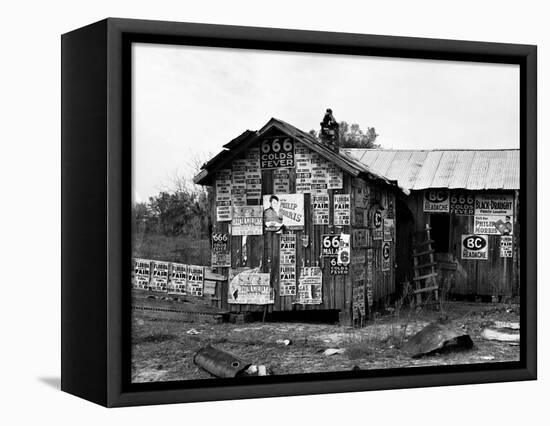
point(320, 205)
point(283, 210)
point(494, 204)
point(178, 278)
point(506, 246)
point(310, 286)
point(247, 220)
point(287, 265)
point(277, 152)
point(493, 225)
point(141, 273)
point(475, 247)
point(250, 288)
point(342, 206)
point(159, 276)
point(195, 280)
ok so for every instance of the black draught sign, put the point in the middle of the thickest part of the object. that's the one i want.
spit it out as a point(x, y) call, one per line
point(277, 153)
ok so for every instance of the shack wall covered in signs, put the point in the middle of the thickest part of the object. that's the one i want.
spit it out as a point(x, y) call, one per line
point(323, 206)
point(490, 269)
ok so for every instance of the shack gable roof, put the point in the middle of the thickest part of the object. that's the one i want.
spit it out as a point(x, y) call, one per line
point(342, 159)
point(453, 169)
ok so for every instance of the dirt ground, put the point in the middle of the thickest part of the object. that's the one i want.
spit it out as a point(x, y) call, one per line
point(163, 347)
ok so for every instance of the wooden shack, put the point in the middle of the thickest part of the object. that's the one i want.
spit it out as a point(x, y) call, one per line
point(299, 225)
point(470, 200)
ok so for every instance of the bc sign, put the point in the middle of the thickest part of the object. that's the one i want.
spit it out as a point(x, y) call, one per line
point(474, 247)
point(436, 201)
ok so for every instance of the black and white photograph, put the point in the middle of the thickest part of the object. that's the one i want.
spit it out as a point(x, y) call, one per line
point(298, 212)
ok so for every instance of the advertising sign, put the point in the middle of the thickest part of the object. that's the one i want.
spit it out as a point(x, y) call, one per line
point(319, 173)
point(336, 268)
point(494, 205)
point(344, 251)
point(389, 229)
point(462, 203)
point(335, 177)
point(159, 276)
point(277, 152)
point(283, 210)
point(369, 276)
point(221, 253)
point(474, 247)
point(359, 218)
point(247, 220)
point(281, 181)
point(377, 224)
point(320, 206)
point(493, 225)
point(358, 257)
point(330, 245)
point(361, 197)
point(359, 237)
point(223, 185)
point(506, 246)
point(304, 172)
point(209, 287)
point(386, 256)
point(310, 286)
point(223, 195)
point(436, 201)
point(342, 205)
point(358, 298)
point(223, 211)
point(178, 278)
point(238, 182)
point(287, 265)
point(250, 288)
point(195, 280)
point(141, 273)
point(253, 175)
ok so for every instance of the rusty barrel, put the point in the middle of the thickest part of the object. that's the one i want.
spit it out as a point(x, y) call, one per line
point(219, 363)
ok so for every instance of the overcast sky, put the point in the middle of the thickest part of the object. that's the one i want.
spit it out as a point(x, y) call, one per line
point(189, 101)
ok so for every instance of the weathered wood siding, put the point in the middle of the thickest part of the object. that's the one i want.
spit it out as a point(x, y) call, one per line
point(263, 251)
point(495, 276)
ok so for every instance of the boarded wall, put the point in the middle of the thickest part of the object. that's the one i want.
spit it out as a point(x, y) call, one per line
point(495, 276)
point(262, 251)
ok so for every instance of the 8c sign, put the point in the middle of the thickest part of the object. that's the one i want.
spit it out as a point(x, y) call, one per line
point(474, 247)
point(436, 201)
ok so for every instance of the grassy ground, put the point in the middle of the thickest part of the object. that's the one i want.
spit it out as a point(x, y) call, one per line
point(163, 349)
point(180, 249)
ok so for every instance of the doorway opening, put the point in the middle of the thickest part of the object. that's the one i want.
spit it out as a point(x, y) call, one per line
point(440, 224)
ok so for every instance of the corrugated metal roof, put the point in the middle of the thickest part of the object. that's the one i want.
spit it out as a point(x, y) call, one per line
point(343, 159)
point(454, 169)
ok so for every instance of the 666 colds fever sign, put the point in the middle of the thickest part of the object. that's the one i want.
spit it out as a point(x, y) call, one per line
point(277, 153)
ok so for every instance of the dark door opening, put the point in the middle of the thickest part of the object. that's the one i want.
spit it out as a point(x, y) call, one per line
point(440, 230)
point(403, 246)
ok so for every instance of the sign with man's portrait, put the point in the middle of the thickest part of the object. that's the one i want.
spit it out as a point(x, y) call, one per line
point(283, 211)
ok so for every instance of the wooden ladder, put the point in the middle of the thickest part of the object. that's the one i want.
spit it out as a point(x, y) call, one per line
point(425, 273)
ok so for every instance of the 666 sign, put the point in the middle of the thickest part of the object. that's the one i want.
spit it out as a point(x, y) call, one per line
point(277, 153)
point(474, 247)
point(436, 201)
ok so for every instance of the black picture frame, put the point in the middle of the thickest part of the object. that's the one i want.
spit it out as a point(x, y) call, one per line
point(96, 197)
